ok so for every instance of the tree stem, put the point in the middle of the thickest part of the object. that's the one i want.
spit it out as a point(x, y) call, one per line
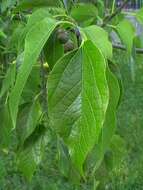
point(113, 6)
point(108, 18)
point(121, 47)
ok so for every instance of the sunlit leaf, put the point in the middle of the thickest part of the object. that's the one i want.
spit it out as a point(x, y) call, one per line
point(34, 42)
point(37, 16)
point(100, 38)
point(78, 98)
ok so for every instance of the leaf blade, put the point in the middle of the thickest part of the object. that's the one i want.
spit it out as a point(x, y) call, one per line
point(100, 38)
point(126, 37)
point(34, 42)
point(72, 94)
point(8, 80)
point(94, 104)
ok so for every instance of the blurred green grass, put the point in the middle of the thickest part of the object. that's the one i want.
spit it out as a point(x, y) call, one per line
point(129, 176)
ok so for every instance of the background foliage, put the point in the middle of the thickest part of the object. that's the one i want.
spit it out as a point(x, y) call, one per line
point(70, 155)
point(129, 173)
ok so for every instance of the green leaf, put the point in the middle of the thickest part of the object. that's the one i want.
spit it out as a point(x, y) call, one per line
point(95, 184)
point(34, 42)
point(37, 16)
point(115, 69)
point(67, 4)
point(28, 4)
point(126, 32)
point(28, 120)
point(110, 122)
point(2, 34)
point(53, 50)
point(116, 153)
point(100, 38)
point(139, 15)
point(32, 86)
point(78, 98)
point(118, 147)
point(19, 60)
point(138, 41)
point(31, 154)
point(16, 41)
point(101, 8)
point(9, 80)
point(83, 12)
point(7, 4)
point(64, 160)
point(117, 19)
point(5, 127)
point(64, 87)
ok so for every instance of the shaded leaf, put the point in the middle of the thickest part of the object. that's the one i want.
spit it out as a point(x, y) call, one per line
point(28, 4)
point(116, 153)
point(126, 32)
point(64, 160)
point(31, 154)
point(53, 50)
point(28, 120)
point(138, 41)
point(5, 127)
point(16, 41)
point(64, 87)
point(9, 79)
point(139, 15)
point(101, 8)
point(2, 34)
point(83, 12)
point(32, 86)
point(115, 69)
point(7, 4)
point(110, 122)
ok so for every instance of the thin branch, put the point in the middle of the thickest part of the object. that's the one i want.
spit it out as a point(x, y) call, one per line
point(121, 47)
point(110, 17)
point(113, 6)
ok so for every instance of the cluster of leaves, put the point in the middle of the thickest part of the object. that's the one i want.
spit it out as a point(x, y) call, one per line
point(59, 78)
